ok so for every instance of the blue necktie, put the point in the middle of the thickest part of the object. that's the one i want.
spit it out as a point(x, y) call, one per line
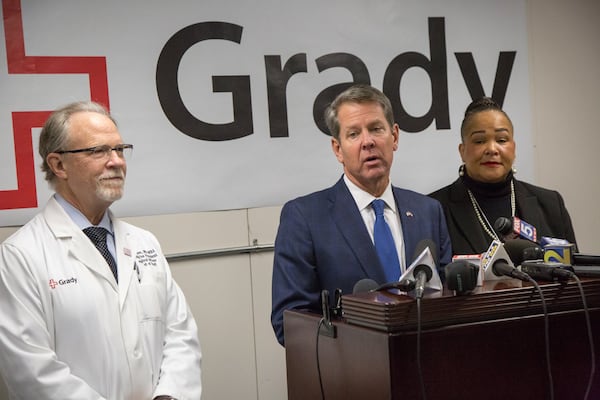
point(98, 236)
point(384, 243)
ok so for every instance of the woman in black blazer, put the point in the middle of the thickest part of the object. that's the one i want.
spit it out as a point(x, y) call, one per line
point(486, 188)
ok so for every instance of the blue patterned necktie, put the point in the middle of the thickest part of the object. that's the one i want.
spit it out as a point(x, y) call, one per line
point(384, 243)
point(98, 236)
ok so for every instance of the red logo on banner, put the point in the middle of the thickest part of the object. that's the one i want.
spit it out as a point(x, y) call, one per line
point(23, 122)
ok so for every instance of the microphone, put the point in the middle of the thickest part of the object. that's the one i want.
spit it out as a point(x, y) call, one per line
point(461, 276)
point(532, 260)
point(514, 228)
point(404, 285)
point(562, 251)
point(547, 271)
point(520, 250)
point(423, 272)
point(337, 308)
point(326, 327)
point(497, 264)
point(501, 267)
point(364, 285)
point(369, 285)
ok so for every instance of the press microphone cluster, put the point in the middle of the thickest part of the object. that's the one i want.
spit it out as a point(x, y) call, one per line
point(550, 261)
point(552, 249)
point(519, 247)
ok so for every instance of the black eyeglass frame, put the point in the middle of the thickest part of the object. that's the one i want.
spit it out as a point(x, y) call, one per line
point(104, 149)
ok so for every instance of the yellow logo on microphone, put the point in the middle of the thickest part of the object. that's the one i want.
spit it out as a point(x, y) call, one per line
point(560, 253)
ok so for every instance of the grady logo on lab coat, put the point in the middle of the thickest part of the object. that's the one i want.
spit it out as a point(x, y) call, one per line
point(53, 283)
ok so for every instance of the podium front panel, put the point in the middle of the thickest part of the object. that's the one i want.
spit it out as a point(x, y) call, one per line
point(500, 358)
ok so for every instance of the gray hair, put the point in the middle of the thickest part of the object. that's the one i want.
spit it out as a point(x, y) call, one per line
point(55, 133)
point(360, 93)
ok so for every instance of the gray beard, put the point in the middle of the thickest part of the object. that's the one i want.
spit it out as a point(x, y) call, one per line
point(110, 194)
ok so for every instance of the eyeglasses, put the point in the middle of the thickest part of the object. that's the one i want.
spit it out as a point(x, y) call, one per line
point(104, 151)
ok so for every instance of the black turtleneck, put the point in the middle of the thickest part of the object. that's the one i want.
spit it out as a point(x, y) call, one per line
point(493, 198)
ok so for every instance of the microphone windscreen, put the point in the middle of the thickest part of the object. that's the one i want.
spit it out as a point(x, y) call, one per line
point(461, 276)
point(503, 226)
point(364, 285)
point(533, 253)
point(521, 249)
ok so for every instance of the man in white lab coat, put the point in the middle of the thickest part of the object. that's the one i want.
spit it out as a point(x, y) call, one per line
point(71, 327)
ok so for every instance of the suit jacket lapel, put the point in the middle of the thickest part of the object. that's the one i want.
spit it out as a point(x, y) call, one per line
point(527, 203)
point(408, 223)
point(352, 228)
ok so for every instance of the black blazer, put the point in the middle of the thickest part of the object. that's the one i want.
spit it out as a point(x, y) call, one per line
point(544, 209)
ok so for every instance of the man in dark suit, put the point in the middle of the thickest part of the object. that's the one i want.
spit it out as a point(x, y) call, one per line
point(326, 239)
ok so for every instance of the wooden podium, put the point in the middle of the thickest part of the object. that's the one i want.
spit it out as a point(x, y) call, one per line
point(486, 345)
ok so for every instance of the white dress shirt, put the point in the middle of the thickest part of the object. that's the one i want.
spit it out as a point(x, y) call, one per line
point(363, 202)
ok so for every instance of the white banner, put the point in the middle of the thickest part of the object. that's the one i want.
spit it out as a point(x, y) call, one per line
point(220, 97)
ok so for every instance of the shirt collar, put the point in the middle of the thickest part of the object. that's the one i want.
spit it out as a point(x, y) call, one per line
point(364, 199)
point(79, 219)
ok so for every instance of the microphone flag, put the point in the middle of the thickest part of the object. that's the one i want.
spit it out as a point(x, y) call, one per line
point(495, 253)
point(558, 250)
point(425, 258)
point(524, 230)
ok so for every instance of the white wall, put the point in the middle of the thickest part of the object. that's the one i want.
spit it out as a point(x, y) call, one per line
point(565, 60)
point(230, 295)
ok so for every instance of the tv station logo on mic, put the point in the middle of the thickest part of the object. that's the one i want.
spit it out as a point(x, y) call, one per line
point(557, 250)
point(524, 229)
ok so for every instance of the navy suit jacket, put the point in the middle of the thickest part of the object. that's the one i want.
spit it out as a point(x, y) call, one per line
point(323, 243)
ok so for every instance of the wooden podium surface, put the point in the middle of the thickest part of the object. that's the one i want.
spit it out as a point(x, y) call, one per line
point(486, 345)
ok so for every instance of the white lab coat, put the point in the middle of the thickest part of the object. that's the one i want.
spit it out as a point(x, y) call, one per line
point(68, 331)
